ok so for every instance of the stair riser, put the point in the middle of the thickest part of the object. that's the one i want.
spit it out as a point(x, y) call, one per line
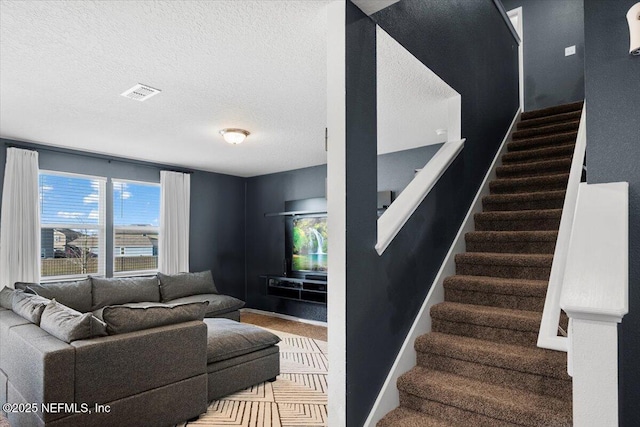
point(549, 120)
point(518, 225)
point(522, 187)
point(538, 155)
point(492, 206)
point(521, 247)
point(505, 173)
point(513, 302)
point(539, 384)
point(547, 130)
point(539, 142)
point(450, 413)
point(551, 111)
point(508, 336)
point(506, 271)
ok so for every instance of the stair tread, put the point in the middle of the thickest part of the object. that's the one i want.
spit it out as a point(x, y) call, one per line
point(512, 236)
point(519, 215)
point(549, 111)
point(530, 360)
point(497, 285)
point(535, 165)
point(552, 129)
point(491, 400)
point(498, 258)
point(536, 195)
point(405, 417)
point(483, 315)
point(552, 118)
point(536, 155)
point(559, 178)
point(554, 140)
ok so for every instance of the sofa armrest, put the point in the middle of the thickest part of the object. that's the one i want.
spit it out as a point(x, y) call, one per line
point(117, 366)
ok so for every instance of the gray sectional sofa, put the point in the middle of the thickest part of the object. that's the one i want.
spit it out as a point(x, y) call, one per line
point(151, 351)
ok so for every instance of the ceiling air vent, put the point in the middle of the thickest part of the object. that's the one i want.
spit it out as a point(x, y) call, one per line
point(140, 92)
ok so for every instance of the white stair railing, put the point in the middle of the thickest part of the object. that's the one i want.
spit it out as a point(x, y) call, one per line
point(595, 297)
point(548, 335)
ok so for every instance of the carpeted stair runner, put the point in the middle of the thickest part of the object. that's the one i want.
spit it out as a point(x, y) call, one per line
point(480, 365)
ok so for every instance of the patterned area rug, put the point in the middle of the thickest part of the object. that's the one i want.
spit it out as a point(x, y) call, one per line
point(297, 398)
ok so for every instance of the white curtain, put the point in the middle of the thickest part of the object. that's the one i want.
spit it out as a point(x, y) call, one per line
point(173, 242)
point(20, 219)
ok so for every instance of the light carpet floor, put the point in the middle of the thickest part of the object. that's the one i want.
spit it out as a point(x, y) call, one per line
point(297, 398)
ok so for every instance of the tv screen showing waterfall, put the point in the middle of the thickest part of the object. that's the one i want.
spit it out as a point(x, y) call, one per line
point(309, 244)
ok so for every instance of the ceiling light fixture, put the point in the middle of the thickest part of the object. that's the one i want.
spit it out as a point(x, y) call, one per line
point(234, 136)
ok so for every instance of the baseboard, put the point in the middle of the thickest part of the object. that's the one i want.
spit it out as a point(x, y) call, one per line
point(283, 316)
point(388, 398)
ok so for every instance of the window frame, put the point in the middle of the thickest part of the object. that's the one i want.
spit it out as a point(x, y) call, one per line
point(100, 227)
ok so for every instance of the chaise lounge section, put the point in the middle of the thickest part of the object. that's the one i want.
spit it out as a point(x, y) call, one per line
point(156, 376)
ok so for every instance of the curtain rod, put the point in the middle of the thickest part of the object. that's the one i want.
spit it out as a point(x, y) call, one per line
point(42, 147)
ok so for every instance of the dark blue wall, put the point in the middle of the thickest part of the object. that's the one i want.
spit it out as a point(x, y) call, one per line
point(468, 44)
point(266, 236)
point(217, 208)
point(550, 26)
point(612, 80)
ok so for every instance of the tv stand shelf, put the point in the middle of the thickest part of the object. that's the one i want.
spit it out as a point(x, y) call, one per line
point(296, 288)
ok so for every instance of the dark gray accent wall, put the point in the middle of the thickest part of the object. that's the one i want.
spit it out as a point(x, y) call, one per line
point(612, 78)
point(217, 208)
point(469, 46)
point(265, 249)
point(266, 235)
point(550, 78)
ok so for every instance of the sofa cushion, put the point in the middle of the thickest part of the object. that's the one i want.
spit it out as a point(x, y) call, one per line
point(28, 306)
point(123, 290)
point(6, 298)
point(128, 318)
point(75, 295)
point(227, 339)
point(179, 285)
point(218, 304)
point(67, 324)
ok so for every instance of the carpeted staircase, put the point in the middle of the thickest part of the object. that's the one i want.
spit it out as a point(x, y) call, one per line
point(480, 365)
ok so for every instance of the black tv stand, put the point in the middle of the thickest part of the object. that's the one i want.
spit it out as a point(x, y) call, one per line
point(312, 288)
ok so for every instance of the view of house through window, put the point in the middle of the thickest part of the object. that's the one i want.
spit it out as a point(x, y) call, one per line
point(136, 213)
point(73, 226)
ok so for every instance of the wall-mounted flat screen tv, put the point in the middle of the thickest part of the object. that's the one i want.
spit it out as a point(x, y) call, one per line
point(308, 244)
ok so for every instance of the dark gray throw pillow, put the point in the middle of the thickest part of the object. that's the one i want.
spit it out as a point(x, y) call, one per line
point(28, 306)
point(179, 285)
point(6, 298)
point(65, 323)
point(128, 318)
point(123, 290)
point(75, 295)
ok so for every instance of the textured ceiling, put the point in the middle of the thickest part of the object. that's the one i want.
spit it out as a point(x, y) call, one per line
point(412, 99)
point(257, 65)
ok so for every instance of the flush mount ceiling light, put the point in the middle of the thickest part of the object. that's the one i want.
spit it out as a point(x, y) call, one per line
point(234, 136)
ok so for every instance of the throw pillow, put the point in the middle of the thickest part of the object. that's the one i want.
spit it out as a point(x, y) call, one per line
point(179, 285)
point(6, 297)
point(28, 306)
point(65, 323)
point(115, 291)
point(75, 295)
point(122, 318)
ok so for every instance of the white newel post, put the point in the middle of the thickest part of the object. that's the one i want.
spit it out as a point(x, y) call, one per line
point(595, 297)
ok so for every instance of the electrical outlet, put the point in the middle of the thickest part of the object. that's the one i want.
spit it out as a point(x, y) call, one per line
point(571, 50)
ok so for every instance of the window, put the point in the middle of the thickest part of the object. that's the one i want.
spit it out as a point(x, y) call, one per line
point(136, 213)
point(72, 225)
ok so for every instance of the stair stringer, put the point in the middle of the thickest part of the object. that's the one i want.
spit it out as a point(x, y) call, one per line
point(389, 397)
